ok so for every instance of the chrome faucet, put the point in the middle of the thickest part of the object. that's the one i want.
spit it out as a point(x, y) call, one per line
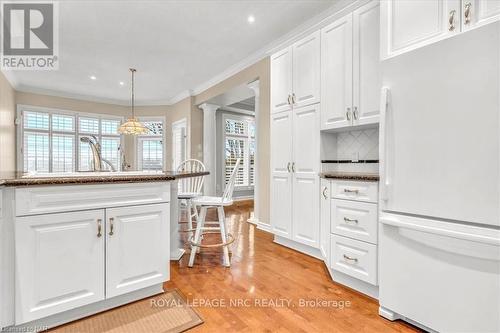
point(97, 159)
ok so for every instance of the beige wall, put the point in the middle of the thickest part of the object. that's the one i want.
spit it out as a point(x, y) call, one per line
point(7, 126)
point(261, 71)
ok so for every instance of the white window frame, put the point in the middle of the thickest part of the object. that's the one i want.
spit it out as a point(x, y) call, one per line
point(138, 152)
point(246, 160)
point(76, 134)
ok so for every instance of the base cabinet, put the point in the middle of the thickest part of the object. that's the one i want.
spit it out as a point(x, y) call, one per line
point(137, 246)
point(60, 263)
point(68, 260)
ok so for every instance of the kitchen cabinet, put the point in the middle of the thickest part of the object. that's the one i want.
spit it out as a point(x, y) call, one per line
point(295, 75)
point(408, 25)
point(325, 220)
point(294, 174)
point(60, 262)
point(476, 13)
point(137, 247)
point(350, 70)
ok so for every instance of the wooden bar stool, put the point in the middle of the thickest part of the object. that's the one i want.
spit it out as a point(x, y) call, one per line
point(219, 203)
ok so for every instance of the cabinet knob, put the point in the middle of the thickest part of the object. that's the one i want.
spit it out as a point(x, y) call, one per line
point(293, 167)
point(348, 220)
point(355, 113)
point(350, 258)
point(348, 114)
point(467, 12)
point(293, 98)
point(324, 192)
point(288, 166)
point(451, 20)
point(111, 226)
point(99, 228)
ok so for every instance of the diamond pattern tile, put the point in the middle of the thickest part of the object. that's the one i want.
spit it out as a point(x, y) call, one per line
point(361, 144)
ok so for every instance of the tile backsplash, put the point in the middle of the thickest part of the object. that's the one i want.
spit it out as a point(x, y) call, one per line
point(360, 144)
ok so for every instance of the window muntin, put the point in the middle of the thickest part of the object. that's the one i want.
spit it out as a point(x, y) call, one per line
point(51, 140)
point(239, 142)
point(150, 154)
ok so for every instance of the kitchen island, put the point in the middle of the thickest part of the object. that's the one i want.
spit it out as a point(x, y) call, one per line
point(77, 244)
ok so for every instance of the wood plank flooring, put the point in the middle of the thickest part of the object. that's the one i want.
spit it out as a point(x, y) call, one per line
point(269, 281)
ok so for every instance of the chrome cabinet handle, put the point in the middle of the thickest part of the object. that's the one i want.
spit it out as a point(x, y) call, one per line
point(293, 98)
point(350, 259)
point(99, 228)
point(324, 194)
point(288, 166)
point(293, 167)
point(289, 99)
point(111, 226)
point(346, 190)
point(467, 13)
point(355, 113)
point(348, 114)
point(348, 220)
point(451, 20)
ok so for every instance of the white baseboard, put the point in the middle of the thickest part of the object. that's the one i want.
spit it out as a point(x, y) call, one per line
point(264, 226)
point(356, 284)
point(311, 251)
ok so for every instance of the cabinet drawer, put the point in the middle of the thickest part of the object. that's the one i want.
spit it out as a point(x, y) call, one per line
point(354, 219)
point(54, 199)
point(355, 190)
point(355, 258)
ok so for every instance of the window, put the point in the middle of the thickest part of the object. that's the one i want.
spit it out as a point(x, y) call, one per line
point(150, 146)
point(50, 140)
point(239, 142)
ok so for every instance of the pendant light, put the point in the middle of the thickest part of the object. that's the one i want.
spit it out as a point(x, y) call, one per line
point(133, 126)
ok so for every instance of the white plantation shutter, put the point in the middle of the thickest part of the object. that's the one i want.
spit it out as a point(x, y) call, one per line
point(150, 146)
point(51, 140)
point(239, 143)
point(178, 144)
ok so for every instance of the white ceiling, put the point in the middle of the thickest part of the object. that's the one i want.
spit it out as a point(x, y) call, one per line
point(175, 45)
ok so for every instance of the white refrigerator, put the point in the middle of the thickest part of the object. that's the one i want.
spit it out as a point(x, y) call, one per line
point(439, 230)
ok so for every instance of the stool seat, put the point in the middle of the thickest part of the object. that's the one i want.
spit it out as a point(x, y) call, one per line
point(212, 201)
point(188, 195)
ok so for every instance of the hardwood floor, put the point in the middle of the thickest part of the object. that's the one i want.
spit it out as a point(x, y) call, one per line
point(269, 281)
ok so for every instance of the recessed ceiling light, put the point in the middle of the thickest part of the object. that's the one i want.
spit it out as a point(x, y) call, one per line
point(251, 19)
point(122, 83)
point(92, 77)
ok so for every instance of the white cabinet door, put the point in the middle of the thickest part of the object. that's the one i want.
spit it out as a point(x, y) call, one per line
point(306, 70)
point(325, 220)
point(281, 80)
point(59, 262)
point(281, 177)
point(366, 64)
point(476, 13)
point(336, 74)
point(305, 170)
point(137, 247)
point(407, 25)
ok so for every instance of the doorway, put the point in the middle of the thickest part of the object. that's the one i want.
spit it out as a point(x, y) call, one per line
point(179, 142)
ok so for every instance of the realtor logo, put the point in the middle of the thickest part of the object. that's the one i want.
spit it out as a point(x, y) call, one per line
point(29, 36)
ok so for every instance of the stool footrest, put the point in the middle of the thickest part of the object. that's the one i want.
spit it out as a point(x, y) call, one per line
point(229, 242)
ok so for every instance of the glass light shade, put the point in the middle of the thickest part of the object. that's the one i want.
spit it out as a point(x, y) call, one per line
point(133, 126)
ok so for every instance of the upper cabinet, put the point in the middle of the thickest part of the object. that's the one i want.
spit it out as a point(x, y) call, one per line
point(350, 71)
point(295, 75)
point(408, 25)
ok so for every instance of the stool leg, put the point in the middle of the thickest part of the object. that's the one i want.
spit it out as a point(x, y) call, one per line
point(199, 227)
point(190, 219)
point(223, 234)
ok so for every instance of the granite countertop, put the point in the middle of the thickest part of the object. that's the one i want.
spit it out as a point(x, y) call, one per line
point(20, 179)
point(350, 175)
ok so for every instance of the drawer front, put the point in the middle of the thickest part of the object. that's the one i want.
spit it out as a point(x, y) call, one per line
point(354, 219)
point(355, 258)
point(53, 199)
point(355, 190)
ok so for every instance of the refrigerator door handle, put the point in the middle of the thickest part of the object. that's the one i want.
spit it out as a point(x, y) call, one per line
point(383, 153)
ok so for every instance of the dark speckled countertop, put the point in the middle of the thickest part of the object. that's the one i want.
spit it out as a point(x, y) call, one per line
point(17, 179)
point(373, 177)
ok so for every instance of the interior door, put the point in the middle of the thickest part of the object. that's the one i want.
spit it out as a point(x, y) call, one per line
point(306, 70)
point(366, 68)
point(305, 175)
point(59, 262)
point(281, 176)
point(137, 247)
point(336, 74)
point(281, 80)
